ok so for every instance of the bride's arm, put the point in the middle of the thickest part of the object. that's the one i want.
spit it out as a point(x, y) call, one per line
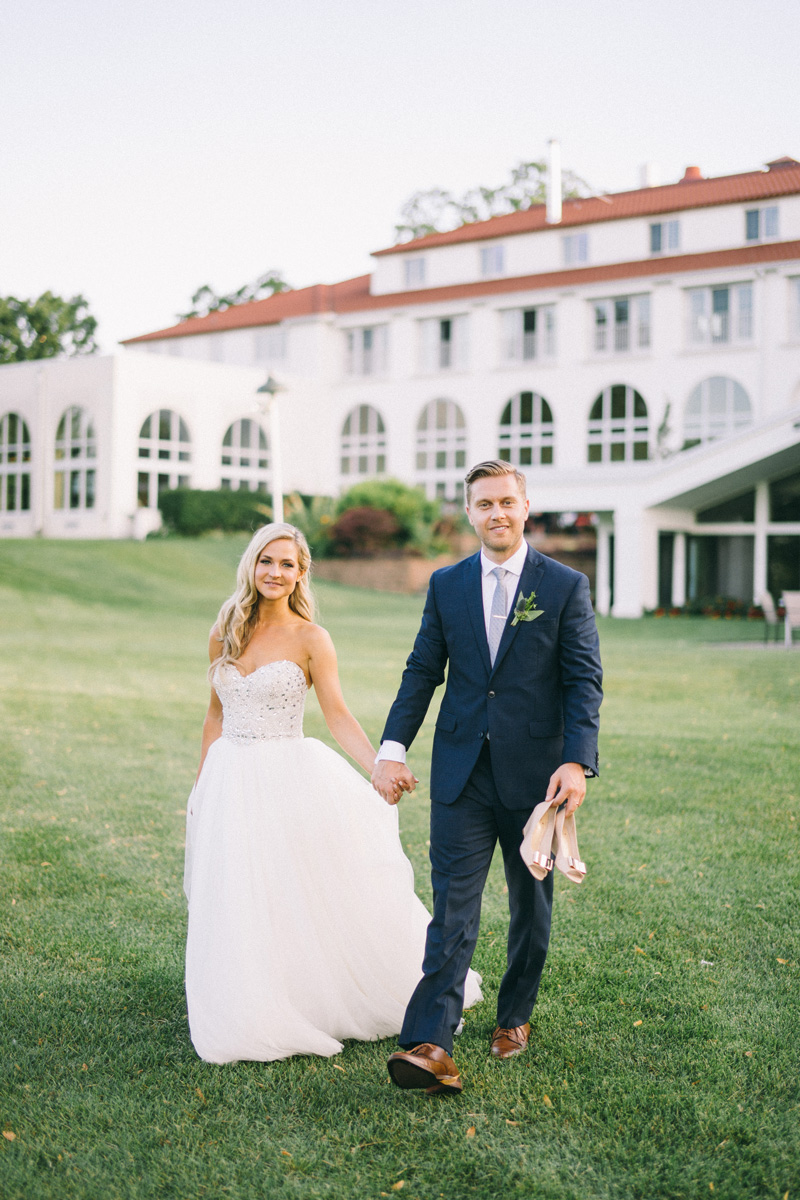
point(324, 675)
point(212, 725)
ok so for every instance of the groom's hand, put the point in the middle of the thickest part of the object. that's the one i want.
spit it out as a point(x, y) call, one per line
point(391, 779)
point(567, 783)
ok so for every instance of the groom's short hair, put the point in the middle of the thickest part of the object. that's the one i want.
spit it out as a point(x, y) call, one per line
point(493, 468)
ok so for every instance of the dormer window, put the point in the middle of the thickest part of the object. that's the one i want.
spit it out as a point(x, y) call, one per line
point(664, 236)
point(414, 272)
point(492, 261)
point(761, 224)
point(575, 248)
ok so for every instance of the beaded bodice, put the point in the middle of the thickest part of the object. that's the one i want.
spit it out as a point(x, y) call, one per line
point(268, 703)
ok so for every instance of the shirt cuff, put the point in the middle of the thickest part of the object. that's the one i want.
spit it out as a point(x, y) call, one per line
point(396, 751)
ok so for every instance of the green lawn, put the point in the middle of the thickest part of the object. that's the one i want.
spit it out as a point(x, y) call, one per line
point(664, 1052)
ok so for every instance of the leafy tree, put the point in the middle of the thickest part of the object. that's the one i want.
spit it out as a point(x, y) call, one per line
point(437, 210)
point(44, 328)
point(205, 300)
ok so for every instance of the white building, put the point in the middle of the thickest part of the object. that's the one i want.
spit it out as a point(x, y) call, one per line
point(638, 356)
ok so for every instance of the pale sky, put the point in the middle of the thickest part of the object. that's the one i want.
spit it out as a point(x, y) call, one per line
point(150, 146)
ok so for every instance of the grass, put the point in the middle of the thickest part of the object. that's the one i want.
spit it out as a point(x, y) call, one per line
point(664, 1053)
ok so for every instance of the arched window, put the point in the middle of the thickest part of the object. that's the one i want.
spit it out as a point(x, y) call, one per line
point(363, 443)
point(245, 462)
point(76, 454)
point(15, 457)
point(164, 448)
point(442, 450)
point(716, 408)
point(526, 431)
point(619, 427)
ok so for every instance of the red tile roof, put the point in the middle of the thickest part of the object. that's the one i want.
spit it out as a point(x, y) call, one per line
point(353, 295)
point(782, 179)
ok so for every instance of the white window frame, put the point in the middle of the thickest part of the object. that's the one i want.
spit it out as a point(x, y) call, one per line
point(443, 343)
point(716, 408)
point(414, 272)
point(575, 248)
point(75, 475)
point(766, 224)
point(626, 430)
point(162, 459)
point(621, 324)
point(492, 260)
point(527, 438)
point(528, 334)
point(721, 315)
point(668, 236)
point(245, 465)
point(366, 350)
point(441, 450)
point(15, 464)
point(362, 450)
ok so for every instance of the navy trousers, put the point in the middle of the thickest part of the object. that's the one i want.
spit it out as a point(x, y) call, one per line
point(463, 838)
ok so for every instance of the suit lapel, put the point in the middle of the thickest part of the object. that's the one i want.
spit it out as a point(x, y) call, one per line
point(473, 587)
point(528, 582)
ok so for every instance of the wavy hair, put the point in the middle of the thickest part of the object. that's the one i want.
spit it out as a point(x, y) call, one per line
point(238, 616)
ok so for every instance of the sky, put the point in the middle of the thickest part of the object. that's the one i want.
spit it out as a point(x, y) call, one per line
point(151, 146)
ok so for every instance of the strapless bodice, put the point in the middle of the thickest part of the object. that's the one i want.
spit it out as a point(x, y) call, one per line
point(268, 703)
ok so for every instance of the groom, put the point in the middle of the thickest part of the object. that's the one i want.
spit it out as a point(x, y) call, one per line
point(518, 724)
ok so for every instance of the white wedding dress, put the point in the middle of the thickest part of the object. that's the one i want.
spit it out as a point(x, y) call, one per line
point(304, 928)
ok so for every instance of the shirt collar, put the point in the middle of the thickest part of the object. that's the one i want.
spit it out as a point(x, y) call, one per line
point(514, 564)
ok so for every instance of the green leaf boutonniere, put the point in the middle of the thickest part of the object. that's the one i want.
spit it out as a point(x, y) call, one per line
point(525, 609)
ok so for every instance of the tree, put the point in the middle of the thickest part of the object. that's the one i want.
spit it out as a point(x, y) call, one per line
point(205, 300)
point(436, 210)
point(44, 328)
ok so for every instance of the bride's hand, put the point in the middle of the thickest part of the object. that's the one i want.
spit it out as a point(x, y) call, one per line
point(390, 779)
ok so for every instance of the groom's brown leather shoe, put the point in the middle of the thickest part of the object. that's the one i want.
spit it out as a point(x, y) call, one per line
point(506, 1043)
point(426, 1066)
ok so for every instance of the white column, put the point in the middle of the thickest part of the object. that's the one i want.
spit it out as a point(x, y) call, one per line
point(760, 540)
point(679, 570)
point(603, 580)
point(628, 562)
point(276, 460)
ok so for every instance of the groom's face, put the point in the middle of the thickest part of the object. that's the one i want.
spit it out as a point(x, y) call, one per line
point(497, 513)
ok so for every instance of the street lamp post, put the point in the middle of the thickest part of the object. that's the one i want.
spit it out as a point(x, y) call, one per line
point(270, 407)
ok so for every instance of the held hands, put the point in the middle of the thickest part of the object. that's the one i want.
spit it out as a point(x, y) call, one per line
point(391, 779)
point(567, 783)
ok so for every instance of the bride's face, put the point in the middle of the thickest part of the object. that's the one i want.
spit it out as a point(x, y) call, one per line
point(277, 570)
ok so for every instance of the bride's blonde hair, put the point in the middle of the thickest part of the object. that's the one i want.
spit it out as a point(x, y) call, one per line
point(238, 615)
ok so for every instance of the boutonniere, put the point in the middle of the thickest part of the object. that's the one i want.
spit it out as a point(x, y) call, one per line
point(525, 608)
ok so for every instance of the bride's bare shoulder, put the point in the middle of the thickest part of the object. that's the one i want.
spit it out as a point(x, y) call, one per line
point(214, 643)
point(316, 638)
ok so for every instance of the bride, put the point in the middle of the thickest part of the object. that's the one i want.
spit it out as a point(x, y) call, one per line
point(304, 928)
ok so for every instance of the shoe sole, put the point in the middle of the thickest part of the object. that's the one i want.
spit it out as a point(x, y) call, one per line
point(409, 1075)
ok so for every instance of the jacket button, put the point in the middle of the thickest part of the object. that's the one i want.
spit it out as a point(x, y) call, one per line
point(481, 734)
point(491, 695)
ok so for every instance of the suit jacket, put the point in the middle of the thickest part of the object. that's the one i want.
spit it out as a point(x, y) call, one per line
point(539, 704)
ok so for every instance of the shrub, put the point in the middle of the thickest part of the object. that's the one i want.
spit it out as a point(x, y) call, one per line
point(365, 532)
point(190, 512)
point(416, 516)
point(314, 516)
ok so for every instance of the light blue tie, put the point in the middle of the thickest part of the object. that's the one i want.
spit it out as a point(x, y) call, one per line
point(497, 617)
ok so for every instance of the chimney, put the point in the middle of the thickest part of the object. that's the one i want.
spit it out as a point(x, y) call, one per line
point(648, 175)
point(691, 174)
point(553, 215)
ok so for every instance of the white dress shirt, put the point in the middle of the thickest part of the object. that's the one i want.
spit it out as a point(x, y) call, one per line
point(396, 751)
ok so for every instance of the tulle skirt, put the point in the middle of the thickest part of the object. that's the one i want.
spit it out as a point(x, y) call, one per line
point(304, 928)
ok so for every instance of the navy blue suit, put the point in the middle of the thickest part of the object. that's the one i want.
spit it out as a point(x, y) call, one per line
point(501, 732)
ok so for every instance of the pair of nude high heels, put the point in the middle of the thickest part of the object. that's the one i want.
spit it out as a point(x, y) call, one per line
point(549, 840)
